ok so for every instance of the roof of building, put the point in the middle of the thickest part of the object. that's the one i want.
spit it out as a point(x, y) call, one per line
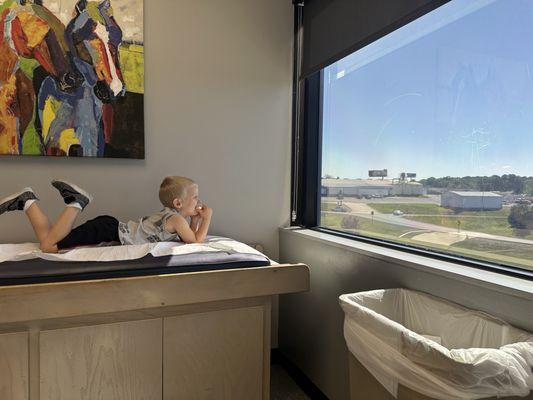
point(475, 194)
point(363, 182)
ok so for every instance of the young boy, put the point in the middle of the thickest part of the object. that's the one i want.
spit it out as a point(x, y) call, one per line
point(179, 196)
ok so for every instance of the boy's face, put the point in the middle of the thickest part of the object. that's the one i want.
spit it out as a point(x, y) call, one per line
point(189, 202)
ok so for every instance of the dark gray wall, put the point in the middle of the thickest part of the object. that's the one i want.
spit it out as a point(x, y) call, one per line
point(311, 324)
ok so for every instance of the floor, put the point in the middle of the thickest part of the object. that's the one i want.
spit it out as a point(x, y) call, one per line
point(283, 387)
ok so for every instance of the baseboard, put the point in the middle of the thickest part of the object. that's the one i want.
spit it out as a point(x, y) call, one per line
point(307, 386)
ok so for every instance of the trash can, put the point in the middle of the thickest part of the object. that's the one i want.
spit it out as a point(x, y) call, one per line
point(409, 345)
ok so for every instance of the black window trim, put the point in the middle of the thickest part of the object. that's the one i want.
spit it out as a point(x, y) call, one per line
point(307, 165)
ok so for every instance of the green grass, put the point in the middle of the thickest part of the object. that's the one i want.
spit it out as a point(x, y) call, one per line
point(491, 222)
point(410, 208)
point(433, 209)
point(508, 253)
point(365, 226)
point(328, 220)
point(503, 213)
point(519, 250)
point(516, 254)
point(491, 225)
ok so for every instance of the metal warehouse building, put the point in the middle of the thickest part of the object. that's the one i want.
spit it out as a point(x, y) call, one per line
point(370, 187)
point(471, 200)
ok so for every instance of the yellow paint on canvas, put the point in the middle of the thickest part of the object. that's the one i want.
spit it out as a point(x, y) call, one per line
point(8, 122)
point(68, 137)
point(132, 67)
point(51, 106)
point(34, 28)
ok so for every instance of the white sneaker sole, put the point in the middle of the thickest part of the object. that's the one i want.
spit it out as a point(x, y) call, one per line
point(76, 188)
point(15, 195)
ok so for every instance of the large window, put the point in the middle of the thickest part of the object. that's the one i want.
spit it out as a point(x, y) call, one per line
point(427, 135)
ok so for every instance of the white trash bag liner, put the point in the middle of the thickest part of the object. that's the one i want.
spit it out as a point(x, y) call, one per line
point(395, 334)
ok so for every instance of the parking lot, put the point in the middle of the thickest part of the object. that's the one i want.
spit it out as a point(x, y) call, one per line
point(429, 199)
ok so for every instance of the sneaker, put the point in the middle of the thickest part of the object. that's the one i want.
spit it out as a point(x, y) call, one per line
point(72, 193)
point(16, 201)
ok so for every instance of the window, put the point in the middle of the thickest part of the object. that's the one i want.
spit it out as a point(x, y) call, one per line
point(427, 135)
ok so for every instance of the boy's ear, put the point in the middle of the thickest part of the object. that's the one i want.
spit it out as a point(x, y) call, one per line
point(176, 203)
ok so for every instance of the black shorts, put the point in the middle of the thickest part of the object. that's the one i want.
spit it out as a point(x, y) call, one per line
point(101, 229)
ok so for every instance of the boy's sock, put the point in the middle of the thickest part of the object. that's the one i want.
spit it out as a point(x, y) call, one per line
point(28, 203)
point(72, 194)
point(17, 201)
point(75, 204)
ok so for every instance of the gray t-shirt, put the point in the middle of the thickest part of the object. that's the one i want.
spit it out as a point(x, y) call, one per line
point(150, 229)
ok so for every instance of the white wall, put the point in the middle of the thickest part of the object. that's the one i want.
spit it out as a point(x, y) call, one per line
point(217, 109)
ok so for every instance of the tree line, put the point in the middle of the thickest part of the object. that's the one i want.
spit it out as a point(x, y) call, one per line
point(504, 183)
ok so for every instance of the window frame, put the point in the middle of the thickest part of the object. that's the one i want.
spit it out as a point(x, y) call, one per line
point(307, 168)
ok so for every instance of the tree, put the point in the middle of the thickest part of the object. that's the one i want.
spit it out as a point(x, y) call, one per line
point(349, 222)
point(505, 183)
point(521, 216)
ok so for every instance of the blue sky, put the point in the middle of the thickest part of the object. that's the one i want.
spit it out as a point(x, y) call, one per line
point(457, 100)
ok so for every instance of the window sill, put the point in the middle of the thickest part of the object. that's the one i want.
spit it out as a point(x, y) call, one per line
point(514, 286)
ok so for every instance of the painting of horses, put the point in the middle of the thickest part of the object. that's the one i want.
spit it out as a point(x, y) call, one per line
point(72, 78)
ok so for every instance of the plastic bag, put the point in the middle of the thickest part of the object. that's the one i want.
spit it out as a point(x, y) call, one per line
point(395, 334)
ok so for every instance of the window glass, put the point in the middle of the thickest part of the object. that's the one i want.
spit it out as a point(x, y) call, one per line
point(427, 134)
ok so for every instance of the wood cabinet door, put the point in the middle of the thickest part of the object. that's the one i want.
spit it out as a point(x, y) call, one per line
point(121, 361)
point(214, 355)
point(14, 366)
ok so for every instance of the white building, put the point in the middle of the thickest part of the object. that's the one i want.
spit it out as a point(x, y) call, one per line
point(471, 200)
point(370, 187)
point(408, 189)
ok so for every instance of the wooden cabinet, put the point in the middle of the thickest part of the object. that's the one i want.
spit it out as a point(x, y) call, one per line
point(201, 335)
point(119, 361)
point(215, 355)
point(14, 366)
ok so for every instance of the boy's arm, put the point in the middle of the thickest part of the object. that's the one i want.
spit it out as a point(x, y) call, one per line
point(180, 225)
point(195, 222)
point(205, 213)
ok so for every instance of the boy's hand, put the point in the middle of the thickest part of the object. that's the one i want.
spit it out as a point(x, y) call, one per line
point(205, 212)
point(195, 222)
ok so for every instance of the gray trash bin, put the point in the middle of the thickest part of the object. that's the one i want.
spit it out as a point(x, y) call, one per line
point(409, 345)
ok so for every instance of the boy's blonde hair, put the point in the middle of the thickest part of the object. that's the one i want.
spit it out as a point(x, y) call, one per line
point(174, 187)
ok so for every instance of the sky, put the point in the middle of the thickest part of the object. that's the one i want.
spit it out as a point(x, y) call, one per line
point(450, 94)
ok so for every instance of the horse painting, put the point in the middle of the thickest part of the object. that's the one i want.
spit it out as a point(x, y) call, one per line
point(31, 36)
point(62, 81)
point(84, 118)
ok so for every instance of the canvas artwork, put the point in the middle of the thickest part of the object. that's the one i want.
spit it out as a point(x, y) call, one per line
point(72, 78)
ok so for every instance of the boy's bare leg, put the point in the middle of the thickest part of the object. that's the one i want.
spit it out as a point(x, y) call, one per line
point(39, 221)
point(60, 229)
point(75, 198)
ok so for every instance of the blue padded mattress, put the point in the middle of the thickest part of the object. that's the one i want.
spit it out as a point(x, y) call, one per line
point(43, 271)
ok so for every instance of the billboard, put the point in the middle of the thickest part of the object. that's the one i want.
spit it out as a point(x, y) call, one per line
point(377, 173)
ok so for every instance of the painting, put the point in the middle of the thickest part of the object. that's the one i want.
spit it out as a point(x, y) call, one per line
point(72, 78)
